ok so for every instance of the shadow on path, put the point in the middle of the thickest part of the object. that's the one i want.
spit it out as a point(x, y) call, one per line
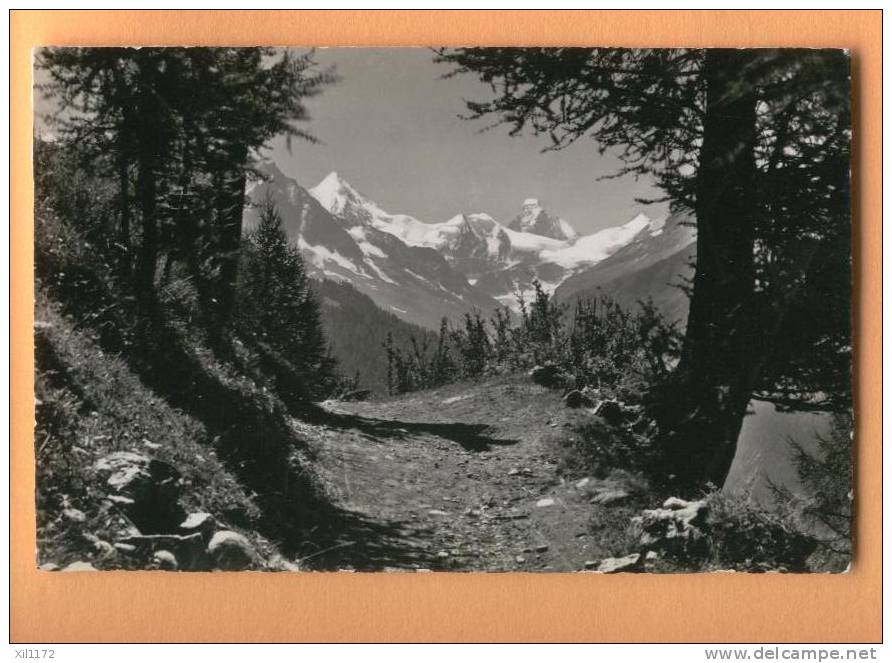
point(350, 540)
point(472, 437)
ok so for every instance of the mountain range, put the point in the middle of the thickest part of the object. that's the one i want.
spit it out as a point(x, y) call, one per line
point(422, 271)
point(658, 263)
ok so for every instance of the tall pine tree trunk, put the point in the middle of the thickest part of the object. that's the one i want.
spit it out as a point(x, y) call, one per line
point(704, 414)
point(190, 209)
point(123, 162)
point(148, 145)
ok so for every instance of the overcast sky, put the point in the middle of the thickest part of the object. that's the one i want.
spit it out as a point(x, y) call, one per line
point(390, 127)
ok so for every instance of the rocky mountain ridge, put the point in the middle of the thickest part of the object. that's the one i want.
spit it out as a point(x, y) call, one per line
point(423, 271)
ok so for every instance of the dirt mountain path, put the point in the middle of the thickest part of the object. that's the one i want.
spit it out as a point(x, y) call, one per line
point(461, 478)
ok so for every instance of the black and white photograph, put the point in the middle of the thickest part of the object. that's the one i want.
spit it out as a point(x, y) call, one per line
point(460, 309)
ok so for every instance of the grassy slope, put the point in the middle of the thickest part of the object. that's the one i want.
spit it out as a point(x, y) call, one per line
point(106, 381)
point(89, 404)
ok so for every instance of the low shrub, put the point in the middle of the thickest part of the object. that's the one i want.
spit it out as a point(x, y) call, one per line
point(722, 532)
point(746, 536)
point(825, 510)
point(598, 344)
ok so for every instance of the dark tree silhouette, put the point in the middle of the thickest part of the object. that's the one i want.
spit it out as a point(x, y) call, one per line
point(187, 120)
point(279, 309)
point(756, 142)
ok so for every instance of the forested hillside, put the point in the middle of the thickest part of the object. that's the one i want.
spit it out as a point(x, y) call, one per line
point(358, 329)
point(172, 350)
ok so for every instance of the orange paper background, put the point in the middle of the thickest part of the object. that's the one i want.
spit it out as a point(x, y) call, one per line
point(158, 607)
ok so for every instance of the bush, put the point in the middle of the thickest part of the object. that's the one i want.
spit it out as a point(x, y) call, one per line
point(825, 512)
point(601, 345)
point(746, 536)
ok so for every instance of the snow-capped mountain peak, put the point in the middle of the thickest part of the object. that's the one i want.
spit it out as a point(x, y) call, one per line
point(654, 262)
point(343, 236)
point(535, 244)
point(534, 219)
point(330, 191)
point(593, 248)
point(532, 205)
point(353, 208)
point(470, 259)
point(339, 197)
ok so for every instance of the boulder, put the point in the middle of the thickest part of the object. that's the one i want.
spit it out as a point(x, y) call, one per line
point(80, 566)
point(230, 551)
point(611, 411)
point(124, 471)
point(627, 564)
point(201, 523)
point(74, 515)
point(165, 560)
point(189, 550)
point(610, 497)
point(549, 376)
point(679, 527)
point(104, 549)
point(146, 489)
point(576, 398)
point(617, 488)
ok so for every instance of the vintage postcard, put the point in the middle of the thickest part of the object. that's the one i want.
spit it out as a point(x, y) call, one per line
point(443, 309)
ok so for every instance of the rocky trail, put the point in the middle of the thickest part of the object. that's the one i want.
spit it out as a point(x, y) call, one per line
point(457, 478)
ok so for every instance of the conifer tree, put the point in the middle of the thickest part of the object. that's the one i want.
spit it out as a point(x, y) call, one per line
point(502, 337)
point(177, 128)
point(443, 366)
point(277, 306)
point(473, 344)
